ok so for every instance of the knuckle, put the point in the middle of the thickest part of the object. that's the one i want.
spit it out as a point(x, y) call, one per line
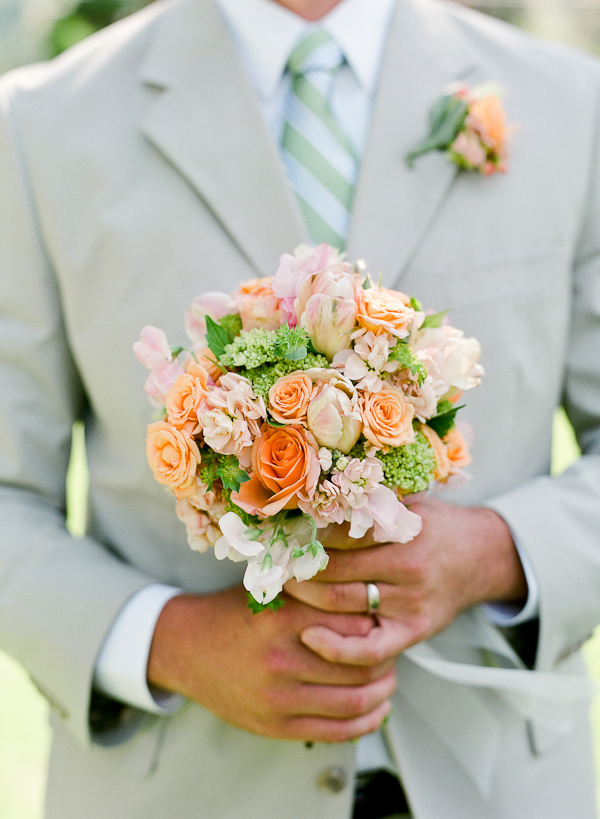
point(336, 596)
point(277, 662)
point(374, 654)
point(358, 702)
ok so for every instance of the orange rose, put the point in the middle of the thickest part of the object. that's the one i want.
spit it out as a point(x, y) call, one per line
point(458, 450)
point(208, 362)
point(387, 418)
point(487, 117)
point(183, 399)
point(440, 450)
point(173, 458)
point(289, 398)
point(385, 311)
point(285, 461)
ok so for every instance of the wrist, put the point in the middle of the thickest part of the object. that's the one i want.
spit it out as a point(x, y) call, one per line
point(500, 575)
point(175, 635)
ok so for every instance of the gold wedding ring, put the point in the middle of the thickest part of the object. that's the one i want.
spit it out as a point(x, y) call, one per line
point(373, 598)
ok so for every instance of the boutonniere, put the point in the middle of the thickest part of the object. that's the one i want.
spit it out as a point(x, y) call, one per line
point(470, 126)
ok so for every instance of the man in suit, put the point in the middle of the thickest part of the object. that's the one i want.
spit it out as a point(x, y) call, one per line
point(138, 170)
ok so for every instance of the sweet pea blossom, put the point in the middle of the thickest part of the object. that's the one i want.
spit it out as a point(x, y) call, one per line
point(152, 350)
point(160, 382)
point(238, 542)
point(392, 521)
point(311, 562)
point(264, 578)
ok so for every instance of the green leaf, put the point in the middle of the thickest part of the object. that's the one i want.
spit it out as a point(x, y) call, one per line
point(416, 304)
point(232, 324)
point(217, 337)
point(367, 284)
point(444, 421)
point(256, 607)
point(298, 354)
point(232, 479)
point(273, 423)
point(447, 119)
point(434, 320)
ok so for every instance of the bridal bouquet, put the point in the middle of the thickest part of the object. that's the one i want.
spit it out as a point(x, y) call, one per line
point(308, 398)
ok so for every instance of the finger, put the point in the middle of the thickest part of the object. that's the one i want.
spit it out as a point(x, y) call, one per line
point(337, 536)
point(334, 597)
point(339, 702)
point(377, 564)
point(318, 729)
point(304, 665)
point(387, 640)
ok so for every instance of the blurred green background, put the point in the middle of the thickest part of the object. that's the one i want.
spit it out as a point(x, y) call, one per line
point(39, 29)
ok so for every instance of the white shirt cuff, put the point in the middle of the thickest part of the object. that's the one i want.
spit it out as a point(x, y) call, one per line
point(122, 664)
point(510, 614)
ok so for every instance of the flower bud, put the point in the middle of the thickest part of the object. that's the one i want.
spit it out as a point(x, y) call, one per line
point(329, 321)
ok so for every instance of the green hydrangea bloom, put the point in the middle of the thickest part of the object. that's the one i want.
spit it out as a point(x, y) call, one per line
point(266, 375)
point(357, 451)
point(250, 349)
point(409, 467)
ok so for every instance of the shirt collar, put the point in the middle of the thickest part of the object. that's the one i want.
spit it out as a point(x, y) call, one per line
point(266, 32)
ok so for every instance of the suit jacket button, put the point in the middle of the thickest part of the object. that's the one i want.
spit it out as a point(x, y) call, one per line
point(333, 780)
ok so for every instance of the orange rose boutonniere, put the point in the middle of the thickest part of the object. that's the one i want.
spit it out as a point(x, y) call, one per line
point(470, 126)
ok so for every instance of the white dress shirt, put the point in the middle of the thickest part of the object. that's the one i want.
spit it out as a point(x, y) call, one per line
point(265, 33)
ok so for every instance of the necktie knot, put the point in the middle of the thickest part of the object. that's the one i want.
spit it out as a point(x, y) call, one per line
point(316, 51)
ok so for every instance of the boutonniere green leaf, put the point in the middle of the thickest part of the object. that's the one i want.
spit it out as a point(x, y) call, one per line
point(470, 126)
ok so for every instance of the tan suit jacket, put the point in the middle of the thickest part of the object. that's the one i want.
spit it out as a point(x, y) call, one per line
point(135, 173)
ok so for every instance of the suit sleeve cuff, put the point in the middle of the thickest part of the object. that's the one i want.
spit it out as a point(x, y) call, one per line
point(122, 663)
point(509, 614)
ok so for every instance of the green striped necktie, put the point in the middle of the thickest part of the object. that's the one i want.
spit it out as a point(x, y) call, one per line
point(320, 162)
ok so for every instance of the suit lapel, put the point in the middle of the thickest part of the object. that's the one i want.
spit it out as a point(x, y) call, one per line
point(207, 123)
point(394, 205)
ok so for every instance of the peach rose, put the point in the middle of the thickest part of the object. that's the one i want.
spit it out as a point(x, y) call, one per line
point(183, 400)
point(258, 305)
point(457, 449)
point(387, 418)
point(385, 311)
point(289, 398)
point(440, 450)
point(487, 117)
point(285, 461)
point(173, 458)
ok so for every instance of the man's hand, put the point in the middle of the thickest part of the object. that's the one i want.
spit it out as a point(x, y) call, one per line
point(253, 671)
point(462, 557)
